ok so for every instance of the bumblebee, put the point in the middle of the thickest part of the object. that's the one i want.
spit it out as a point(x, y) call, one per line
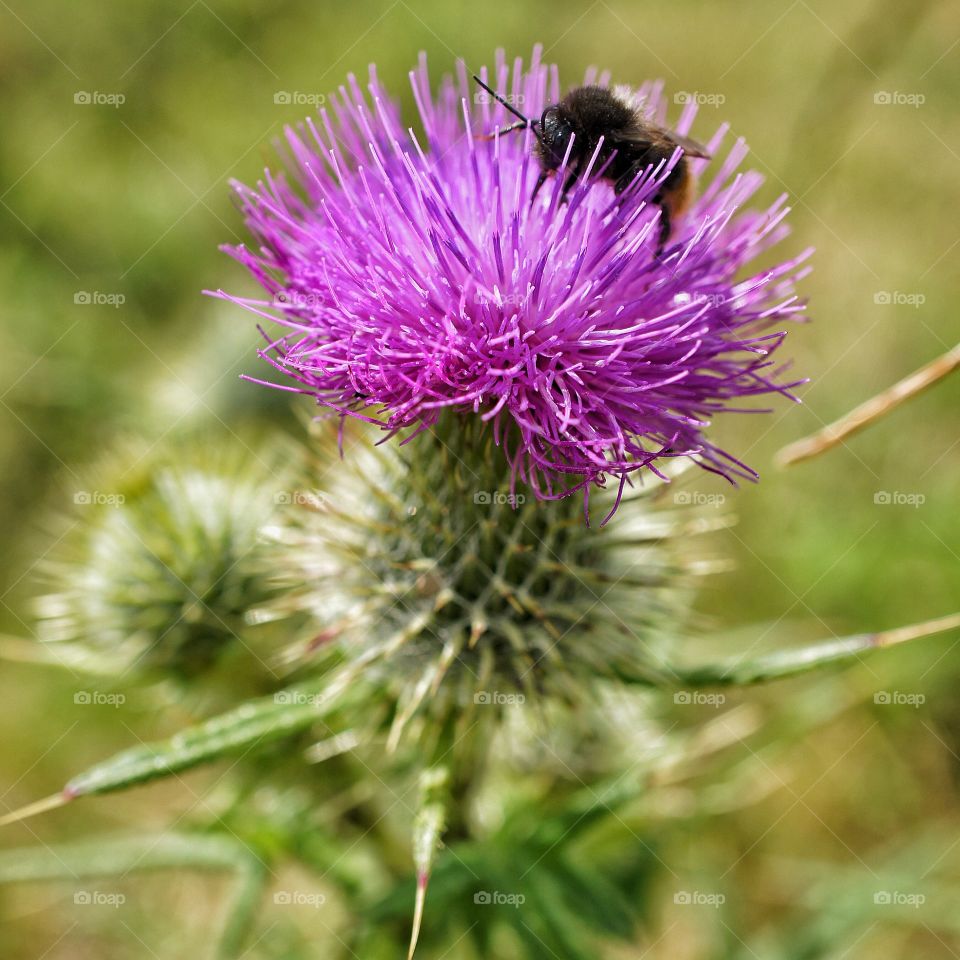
point(631, 143)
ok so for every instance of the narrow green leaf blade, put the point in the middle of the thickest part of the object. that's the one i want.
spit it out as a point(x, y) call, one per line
point(791, 662)
point(427, 832)
point(259, 721)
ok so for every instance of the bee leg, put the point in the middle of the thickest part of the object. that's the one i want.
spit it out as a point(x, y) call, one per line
point(665, 227)
point(568, 184)
point(666, 221)
point(572, 177)
point(624, 180)
point(541, 180)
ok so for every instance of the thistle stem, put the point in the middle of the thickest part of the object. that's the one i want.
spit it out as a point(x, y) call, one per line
point(870, 411)
point(37, 807)
point(788, 663)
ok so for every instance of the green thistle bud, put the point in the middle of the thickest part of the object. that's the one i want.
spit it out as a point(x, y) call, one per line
point(161, 563)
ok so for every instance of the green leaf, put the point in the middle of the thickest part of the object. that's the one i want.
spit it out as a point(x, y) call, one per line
point(245, 727)
point(791, 662)
point(166, 851)
point(107, 856)
point(428, 828)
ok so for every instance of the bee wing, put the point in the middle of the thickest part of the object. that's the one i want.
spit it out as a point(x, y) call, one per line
point(648, 132)
point(690, 147)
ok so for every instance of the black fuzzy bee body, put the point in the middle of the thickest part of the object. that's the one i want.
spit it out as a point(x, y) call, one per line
point(630, 144)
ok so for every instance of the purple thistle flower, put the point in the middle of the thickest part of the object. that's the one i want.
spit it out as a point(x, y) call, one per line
point(412, 273)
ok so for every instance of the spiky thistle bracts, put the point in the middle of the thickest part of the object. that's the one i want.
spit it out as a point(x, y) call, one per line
point(411, 273)
point(424, 575)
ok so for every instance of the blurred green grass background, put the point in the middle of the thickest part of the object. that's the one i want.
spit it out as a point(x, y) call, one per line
point(132, 200)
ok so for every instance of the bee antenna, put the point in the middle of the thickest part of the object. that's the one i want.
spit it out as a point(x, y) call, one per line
point(524, 121)
point(496, 96)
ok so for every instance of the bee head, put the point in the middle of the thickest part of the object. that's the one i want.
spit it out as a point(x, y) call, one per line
point(554, 136)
